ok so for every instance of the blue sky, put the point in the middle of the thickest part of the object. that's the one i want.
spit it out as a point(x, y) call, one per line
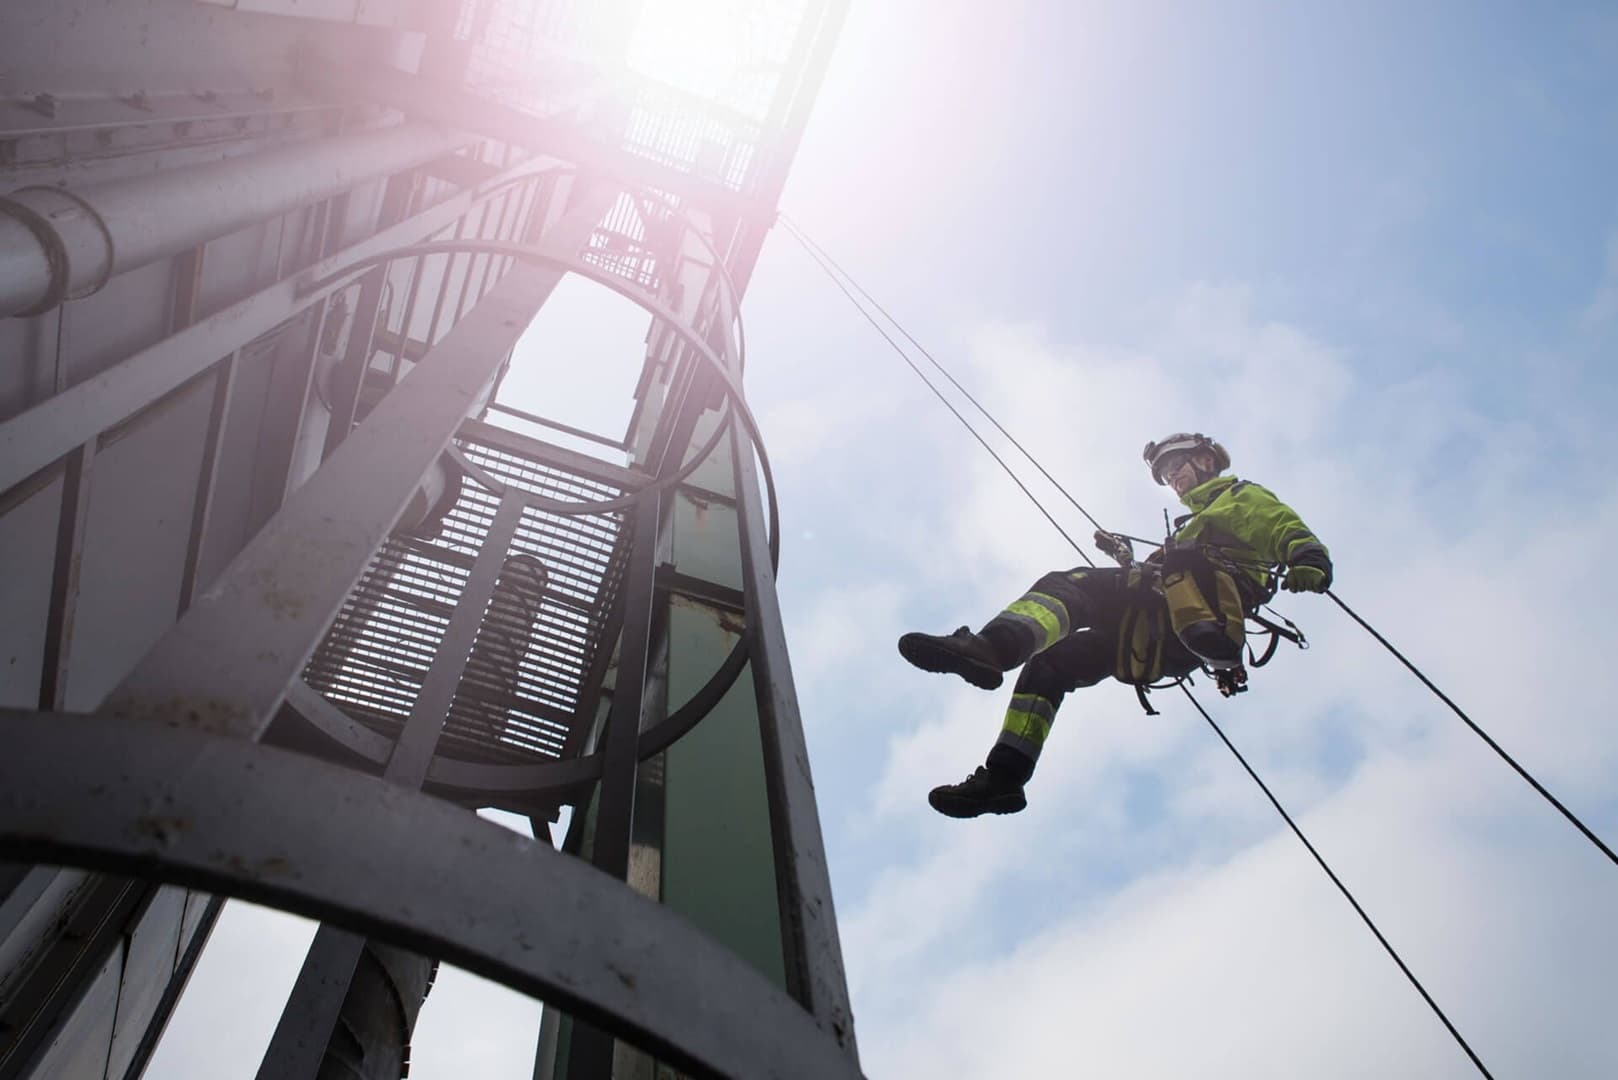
point(1374, 248)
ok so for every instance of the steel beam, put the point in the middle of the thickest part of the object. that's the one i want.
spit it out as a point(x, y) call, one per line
point(590, 1049)
point(615, 806)
point(93, 925)
point(553, 780)
point(413, 753)
point(185, 964)
point(626, 478)
point(173, 803)
point(325, 983)
point(809, 925)
point(224, 377)
point(310, 1016)
point(187, 288)
point(64, 600)
point(349, 372)
point(556, 425)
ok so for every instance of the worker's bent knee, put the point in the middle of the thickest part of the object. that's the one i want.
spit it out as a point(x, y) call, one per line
point(1055, 583)
point(1082, 660)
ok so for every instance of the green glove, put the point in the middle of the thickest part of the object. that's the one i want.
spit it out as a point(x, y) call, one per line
point(1304, 578)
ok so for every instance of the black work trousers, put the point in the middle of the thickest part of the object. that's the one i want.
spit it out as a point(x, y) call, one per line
point(1065, 631)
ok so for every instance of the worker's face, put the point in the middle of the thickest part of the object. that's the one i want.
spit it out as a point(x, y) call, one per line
point(1181, 471)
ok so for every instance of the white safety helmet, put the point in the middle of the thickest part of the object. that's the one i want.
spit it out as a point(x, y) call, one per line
point(1181, 442)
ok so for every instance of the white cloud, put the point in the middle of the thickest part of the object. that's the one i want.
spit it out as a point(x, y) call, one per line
point(1255, 967)
point(833, 637)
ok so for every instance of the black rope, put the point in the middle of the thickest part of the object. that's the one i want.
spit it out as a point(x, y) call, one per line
point(1335, 880)
point(826, 264)
point(804, 239)
point(1496, 747)
point(939, 394)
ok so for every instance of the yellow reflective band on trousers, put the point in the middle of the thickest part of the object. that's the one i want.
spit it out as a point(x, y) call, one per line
point(1028, 724)
point(1029, 718)
point(1045, 615)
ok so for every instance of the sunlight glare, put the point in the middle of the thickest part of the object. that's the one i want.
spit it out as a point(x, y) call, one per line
point(693, 45)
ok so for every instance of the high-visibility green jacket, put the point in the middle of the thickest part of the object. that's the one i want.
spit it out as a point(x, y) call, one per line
point(1246, 525)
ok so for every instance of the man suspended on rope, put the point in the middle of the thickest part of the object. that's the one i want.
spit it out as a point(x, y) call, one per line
point(1184, 608)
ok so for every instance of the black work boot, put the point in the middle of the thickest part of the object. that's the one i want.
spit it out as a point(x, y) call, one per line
point(962, 653)
point(986, 791)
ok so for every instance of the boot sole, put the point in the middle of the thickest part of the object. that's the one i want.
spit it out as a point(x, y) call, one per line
point(956, 807)
point(924, 652)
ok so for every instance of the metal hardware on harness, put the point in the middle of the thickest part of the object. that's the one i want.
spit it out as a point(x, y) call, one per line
point(1116, 547)
point(1231, 681)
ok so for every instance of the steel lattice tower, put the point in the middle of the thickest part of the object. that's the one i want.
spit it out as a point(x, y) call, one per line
point(290, 591)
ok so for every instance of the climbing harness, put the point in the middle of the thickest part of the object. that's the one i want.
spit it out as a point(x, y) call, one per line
point(1200, 586)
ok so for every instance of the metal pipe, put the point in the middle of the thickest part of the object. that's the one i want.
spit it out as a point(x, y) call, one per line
point(32, 440)
point(59, 244)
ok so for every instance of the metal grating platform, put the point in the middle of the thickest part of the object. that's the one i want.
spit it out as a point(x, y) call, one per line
point(524, 689)
point(626, 241)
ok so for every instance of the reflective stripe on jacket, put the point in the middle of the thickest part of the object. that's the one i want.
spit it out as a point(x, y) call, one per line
point(1248, 524)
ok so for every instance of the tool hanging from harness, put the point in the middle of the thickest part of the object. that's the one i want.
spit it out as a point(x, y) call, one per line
point(1199, 595)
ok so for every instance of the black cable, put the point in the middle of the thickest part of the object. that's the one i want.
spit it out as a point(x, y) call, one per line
point(1456, 709)
point(803, 240)
point(1335, 880)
